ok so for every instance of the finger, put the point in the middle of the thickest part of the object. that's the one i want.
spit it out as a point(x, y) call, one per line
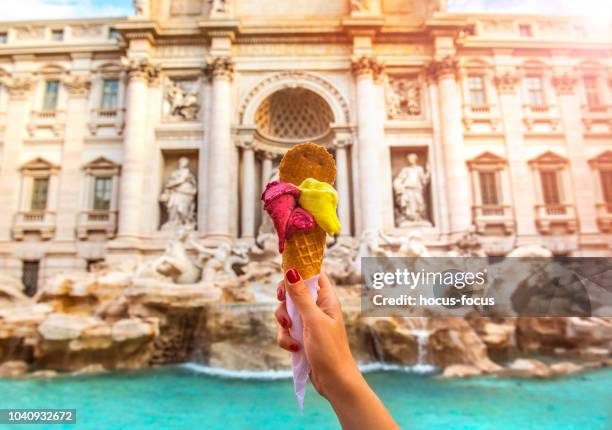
point(306, 307)
point(280, 291)
point(285, 341)
point(282, 316)
point(328, 300)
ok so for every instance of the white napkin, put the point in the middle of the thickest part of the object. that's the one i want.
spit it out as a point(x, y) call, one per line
point(299, 362)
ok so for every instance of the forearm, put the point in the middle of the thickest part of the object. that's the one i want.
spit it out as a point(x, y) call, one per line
point(358, 407)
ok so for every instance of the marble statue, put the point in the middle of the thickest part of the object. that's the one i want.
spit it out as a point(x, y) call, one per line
point(141, 8)
point(174, 266)
point(183, 104)
point(403, 98)
point(340, 262)
point(469, 245)
point(219, 7)
point(409, 189)
point(213, 260)
point(219, 263)
point(409, 246)
point(179, 197)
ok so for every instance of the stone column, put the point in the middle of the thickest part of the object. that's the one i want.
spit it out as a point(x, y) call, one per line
point(342, 186)
point(19, 89)
point(267, 159)
point(582, 186)
point(134, 147)
point(370, 137)
point(247, 205)
point(458, 186)
point(69, 204)
point(218, 203)
point(522, 192)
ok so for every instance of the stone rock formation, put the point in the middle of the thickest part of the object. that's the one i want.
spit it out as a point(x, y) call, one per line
point(118, 319)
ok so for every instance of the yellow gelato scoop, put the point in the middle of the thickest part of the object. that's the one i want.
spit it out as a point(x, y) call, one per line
point(321, 200)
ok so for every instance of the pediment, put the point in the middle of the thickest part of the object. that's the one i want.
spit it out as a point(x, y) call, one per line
point(602, 160)
point(39, 164)
point(548, 158)
point(102, 164)
point(486, 159)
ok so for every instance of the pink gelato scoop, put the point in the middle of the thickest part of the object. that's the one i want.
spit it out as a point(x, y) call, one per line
point(281, 202)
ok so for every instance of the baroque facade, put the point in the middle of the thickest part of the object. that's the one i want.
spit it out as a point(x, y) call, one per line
point(113, 129)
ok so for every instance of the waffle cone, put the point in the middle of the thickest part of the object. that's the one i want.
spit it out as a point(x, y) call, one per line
point(304, 250)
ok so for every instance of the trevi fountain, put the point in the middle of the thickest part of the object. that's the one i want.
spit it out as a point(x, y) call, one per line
point(213, 305)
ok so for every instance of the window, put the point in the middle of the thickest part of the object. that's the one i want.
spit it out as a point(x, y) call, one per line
point(3, 37)
point(591, 91)
point(550, 187)
point(488, 188)
point(29, 277)
point(535, 92)
point(525, 30)
point(477, 90)
point(113, 34)
point(50, 97)
point(57, 35)
point(40, 188)
point(110, 94)
point(606, 185)
point(103, 191)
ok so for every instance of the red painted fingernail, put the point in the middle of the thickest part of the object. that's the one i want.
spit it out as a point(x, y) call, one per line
point(294, 347)
point(280, 294)
point(292, 276)
point(284, 322)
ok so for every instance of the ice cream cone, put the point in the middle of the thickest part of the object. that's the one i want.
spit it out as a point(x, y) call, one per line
point(304, 250)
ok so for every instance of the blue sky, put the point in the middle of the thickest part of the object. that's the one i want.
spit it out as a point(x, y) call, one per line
point(49, 9)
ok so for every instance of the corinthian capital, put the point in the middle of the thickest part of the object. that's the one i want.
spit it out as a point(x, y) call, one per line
point(77, 85)
point(220, 67)
point(447, 67)
point(367, 65)
point(19, 86)
point(507, 82)
point(565, 84)
point(141, 68)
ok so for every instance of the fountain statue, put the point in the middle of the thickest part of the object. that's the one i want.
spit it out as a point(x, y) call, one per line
point(409, 246)
point(409, 189)
point(174, 266)
point(178, 197)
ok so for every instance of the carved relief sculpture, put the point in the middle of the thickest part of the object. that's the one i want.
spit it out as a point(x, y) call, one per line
point(183, 104)
point(409, 189)
point(220, 8)
point(361, 5)
point(403, 98)
point(179, 197)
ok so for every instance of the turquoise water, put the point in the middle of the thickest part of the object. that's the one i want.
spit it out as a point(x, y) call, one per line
point(179, 398)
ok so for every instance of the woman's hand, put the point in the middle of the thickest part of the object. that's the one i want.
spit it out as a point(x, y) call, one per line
point(325, 341)
point(334, 372)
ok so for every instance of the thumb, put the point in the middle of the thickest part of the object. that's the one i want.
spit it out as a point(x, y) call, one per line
point(299, 294)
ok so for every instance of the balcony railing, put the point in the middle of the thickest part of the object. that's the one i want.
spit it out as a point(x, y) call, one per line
point(97, 221)
point(53, 120)
point(41, 222)
point(597, 115)
point(559, 215)
point(487, 217)
point(106, 118)
point(546, 115)
point(604, 217)
point(483, 115)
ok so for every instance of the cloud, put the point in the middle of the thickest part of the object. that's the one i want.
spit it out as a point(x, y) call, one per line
point(58, 9)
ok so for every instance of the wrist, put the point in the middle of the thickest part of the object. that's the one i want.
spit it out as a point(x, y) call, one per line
point(344, 386)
